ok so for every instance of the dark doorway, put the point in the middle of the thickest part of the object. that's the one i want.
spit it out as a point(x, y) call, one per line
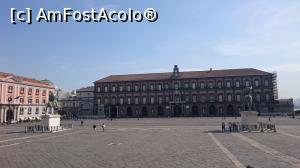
point(212, 110)
point(9, 116)
point(195, 111)
point(177, 111)
point(160, 111)
point(230, 110)
point(129, 112)
point(144, 112)
point(114, 112)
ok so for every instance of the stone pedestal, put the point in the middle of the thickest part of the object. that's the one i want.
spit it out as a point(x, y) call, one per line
point(51, 120)
point(249, 118)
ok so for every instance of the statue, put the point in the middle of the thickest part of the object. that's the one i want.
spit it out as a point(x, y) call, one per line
point(248, 101)
point(53, 103)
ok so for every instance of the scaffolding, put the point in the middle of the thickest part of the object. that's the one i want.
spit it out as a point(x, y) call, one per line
point(274, 85)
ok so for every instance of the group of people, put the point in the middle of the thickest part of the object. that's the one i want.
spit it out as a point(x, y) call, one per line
point(95, 126)
point(232, 127)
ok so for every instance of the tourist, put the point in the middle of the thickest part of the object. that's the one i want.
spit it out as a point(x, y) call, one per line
point(103, 127)
point(94, 127)
point(230, 126)
point(223, 127)
point(81, 122)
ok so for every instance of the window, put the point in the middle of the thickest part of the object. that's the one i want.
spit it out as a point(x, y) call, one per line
point(105, 101)
point(113, 100)
point(113, 88)
point(152, 100)
point(37, 101)
point(128, 88)
point(256, 83)
point(237, 83)
point(220, 98)
point(136, 88)
point(37, 110)
point(37, 92)
point(219, 84)
point(257, 97)
point(211, 98)
point(44, 110)
point(30, 91)
point(121, 88)
point(136, 100)
point(144, 100)
point(211, 84)
point(202, 98)
point(229, 98)
point(238, 97)
point(44, 93)
point(21, 100)
point(167, 99)
point(99, 101)
point(266, 82)
point(105, 89)
point(144, 88)
point(194, 98)
point(228, 84)
point(186, 85)
point(247, 83)
point(98, 89)
point(193, 85)
point(128, 100)
point(22, 90)
point(30, 101)
point(166, 86)
point(151, 87)
point(121, 100)
point(176, 86)
point(29, 110)
point(21, 111)
point(160, 100)
point(159, 87)
point(10, 89)
point(202, 85)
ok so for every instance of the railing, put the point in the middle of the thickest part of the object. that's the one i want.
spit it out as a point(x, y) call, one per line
point(259, 127)
point(40, 128)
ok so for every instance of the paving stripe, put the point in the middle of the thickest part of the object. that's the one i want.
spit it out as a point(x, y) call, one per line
point(234, 160)
point(291, 135)
point(289, 159)
point(29, 141)
point(14, 139)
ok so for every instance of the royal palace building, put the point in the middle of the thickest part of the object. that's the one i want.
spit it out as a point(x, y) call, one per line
point(183, 94)
point(22, 98)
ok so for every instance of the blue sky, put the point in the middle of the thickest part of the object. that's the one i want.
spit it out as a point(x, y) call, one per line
point(196, 35)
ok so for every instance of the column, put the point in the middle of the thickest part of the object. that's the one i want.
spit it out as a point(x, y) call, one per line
point(1, 115)
point(4, 115)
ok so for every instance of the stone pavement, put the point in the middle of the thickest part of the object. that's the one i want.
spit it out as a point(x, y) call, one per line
point(151, 143)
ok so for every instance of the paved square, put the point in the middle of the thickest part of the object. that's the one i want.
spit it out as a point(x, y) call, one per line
point(156, 142)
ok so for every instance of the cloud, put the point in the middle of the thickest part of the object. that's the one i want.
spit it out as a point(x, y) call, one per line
point(268, 29)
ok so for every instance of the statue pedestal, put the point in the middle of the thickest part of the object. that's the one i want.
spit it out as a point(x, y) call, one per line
point(51, 120)
point(249, 118)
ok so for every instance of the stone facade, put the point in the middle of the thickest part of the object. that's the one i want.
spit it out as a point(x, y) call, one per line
point(183, 94)
point(22, 98)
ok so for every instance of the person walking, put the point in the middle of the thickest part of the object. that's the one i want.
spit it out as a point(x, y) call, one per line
point(103, 127)
point(223, 127)
point(229, 126)
point(81, 122)
point(94, 127)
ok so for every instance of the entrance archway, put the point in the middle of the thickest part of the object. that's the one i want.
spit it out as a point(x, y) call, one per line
point(177, 111)
point(160, 111)
point(195, 111)
point(230, 110)
point(144, 112)
point(129, 112)
point(114, 112)
point(212, 110)
point(9, 116)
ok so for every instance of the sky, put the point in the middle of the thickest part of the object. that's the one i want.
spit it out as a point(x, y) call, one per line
point(195, 35)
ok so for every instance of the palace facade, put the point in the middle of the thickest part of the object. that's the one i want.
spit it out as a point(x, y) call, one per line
point(22, 98)
point(183, 94)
